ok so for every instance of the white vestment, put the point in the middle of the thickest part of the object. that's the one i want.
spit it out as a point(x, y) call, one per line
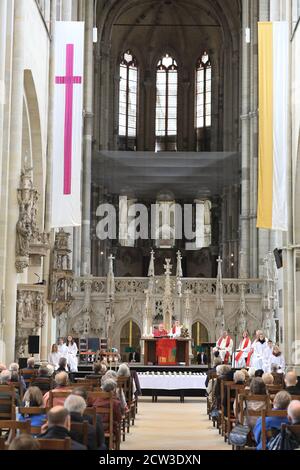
point(222, 347)
point(72, 358)
point(177, 332)
point(54, 359)
point(259, 352)
point(266, 359)
point(63, 350)
point(276, 361)
point(245, 347)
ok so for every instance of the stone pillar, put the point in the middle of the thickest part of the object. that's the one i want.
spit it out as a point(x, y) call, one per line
point(291, 327)
point(87, 142)
point(15, 162)
point(67, 10)
point(3, 20)
point(253, 122)
point(245, 187)
point(45, 346)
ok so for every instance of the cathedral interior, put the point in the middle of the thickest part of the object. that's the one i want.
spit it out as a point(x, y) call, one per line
point(170, 121)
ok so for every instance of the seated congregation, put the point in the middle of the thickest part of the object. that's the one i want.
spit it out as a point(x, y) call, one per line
point(43, 409)
point(253, 409)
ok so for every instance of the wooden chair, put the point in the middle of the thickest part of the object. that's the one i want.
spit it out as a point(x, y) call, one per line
point(295, 397)
point(2, 443)
point(82, 430)
point(213, 377)
point(45, 384)
point(131, 400)
point(243, 399)
point(7, 402)
point(224, 384)
point(232, 401)
point(91, 411)
point(92, 382)
point(28, 374)
point(267, 435)
point(123, 384)
point(13, 426)
point(273, 389)
point(19, 389)
point(113, 440)
point(55, 444)
point(55, 394)
point(33, 411)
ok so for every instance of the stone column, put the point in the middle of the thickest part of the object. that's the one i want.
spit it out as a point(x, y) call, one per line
point(3, 20)
point(15, 162)
point(291, 327)
point(45, 346)
point(67, 10)
point(87, 141)
point(245, 188)
point(253, 121)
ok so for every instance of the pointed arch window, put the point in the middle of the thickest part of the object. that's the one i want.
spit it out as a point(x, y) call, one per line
point(128, 100)
point(203, 92)
point(166, 103)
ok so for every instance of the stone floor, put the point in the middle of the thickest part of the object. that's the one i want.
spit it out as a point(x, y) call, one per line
point(171, 425)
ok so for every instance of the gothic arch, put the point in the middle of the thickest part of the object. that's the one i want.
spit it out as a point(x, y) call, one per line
point(33, 124)
point(120, 325)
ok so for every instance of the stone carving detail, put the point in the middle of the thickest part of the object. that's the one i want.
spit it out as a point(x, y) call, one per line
point(62, 288)
point(270, 297)
point(31, 313)
point(61, 251)
point(219, 316)
point(29, 239)
point(168, 306)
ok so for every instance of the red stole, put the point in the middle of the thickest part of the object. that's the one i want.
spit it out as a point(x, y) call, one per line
point(226, 358)
point(240, 353)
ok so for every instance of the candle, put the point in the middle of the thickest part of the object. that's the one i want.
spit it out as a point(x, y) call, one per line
point(130, 333)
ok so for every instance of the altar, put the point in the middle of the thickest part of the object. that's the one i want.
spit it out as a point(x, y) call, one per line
point(166, 351)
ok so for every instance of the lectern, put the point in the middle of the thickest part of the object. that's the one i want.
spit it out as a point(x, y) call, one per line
point(151, 351)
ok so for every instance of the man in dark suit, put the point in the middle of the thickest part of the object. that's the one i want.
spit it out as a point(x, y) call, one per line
point(291, 383)
point(58, 427)
point(201, 358)
point(76, 406)
point(82, 392)
point(134, 356)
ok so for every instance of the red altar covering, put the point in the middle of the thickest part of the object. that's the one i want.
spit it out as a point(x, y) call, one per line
point(166, 352)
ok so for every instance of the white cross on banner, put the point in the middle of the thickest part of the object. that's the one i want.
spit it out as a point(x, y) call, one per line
point(67, 138)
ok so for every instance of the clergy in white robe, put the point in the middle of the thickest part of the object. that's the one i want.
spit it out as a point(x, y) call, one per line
point(243, 353)
point(276, 359)
point(224, 346)
point(176, 329)
point(72, 354)
point(266, 356)
point(259, 349)
point(62, 348)
point(54, 356)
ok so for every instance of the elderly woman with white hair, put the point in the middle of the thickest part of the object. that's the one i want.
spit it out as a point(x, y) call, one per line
point(123, 370)
point(5, 379)
point(15, 377)
point(112, 375)
point(109, 386)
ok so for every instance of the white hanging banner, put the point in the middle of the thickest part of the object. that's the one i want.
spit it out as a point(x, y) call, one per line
point(67, 138)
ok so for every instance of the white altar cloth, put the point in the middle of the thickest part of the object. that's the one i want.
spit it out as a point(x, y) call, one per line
point(171, 382)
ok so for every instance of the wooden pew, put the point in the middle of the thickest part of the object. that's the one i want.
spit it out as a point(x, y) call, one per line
point(55, 444)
